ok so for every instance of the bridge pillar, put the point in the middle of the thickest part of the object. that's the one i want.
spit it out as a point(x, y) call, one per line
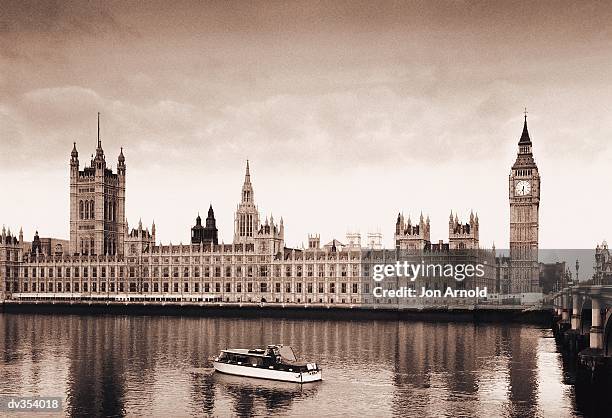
point(565, 306)
point(596, 332)
point(575, 311)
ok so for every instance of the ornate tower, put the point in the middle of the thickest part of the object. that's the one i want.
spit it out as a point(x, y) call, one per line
point(524, 194)
point(97, 204)
point(246, 220)
point(463, 236)
point(412, 237)
point(209, 233)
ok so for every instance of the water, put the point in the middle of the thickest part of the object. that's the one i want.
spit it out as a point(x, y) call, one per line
point(139, 365)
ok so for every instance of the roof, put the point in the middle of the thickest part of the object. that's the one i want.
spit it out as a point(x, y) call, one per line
point(525, 139)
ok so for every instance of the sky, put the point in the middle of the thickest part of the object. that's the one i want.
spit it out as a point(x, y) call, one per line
point(348, 111)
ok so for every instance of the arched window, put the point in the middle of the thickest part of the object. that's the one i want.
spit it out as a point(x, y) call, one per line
point(91, 248)
point(114, 211)
point(91, 209)
point(87, 209)
point(80, 209)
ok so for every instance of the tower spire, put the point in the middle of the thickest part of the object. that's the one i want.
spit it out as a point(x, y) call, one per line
point(525, 139)
point(99, 142)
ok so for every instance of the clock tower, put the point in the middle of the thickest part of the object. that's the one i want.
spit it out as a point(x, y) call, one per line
point(524, 193)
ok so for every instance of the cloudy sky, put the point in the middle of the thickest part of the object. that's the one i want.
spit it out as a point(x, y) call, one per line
point(348, 111)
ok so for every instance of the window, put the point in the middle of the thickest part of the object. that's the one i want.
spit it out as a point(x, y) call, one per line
point(298, 288)
point(355, 288)
point(218, 287)
point(238, 287)
point(186, 287)
point(249, 287)
point(332, 288)
point(176, 288)
point(321, 287)
point(343, 288)
point(277, 287)
point(228, 287)
point(263, 287)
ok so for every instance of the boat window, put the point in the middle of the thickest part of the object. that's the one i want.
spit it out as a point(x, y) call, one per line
point(286, 353)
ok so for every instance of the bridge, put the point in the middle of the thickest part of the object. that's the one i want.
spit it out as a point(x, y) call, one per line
point(583, 322)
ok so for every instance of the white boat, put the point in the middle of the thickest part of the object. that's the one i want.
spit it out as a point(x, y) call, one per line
point(276, 362)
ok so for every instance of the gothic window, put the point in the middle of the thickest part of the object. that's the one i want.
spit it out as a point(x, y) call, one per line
point(86, 209)
point(91, 209)
point(81, 209)
point(91, 248)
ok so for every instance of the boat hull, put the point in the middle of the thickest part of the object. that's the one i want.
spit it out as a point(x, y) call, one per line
point(260, 373)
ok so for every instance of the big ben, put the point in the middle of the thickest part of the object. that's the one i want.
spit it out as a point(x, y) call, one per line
point(524, 193)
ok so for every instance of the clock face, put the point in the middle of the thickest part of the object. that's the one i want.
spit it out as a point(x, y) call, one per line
point(523, 188)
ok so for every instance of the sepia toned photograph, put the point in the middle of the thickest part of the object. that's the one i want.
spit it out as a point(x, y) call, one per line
point(271, 208)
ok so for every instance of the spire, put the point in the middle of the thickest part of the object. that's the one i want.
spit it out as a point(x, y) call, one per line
point(74, 153)
point(121, 157)
point(211, 213)
point(99, 141)
point(247, 188)
point(525, 139)
point(99, 150)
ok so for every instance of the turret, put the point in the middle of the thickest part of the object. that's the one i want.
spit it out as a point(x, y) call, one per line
point(74, 160)
point(121, 164)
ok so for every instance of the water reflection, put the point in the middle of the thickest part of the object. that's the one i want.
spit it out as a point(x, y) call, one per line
point(130, 365)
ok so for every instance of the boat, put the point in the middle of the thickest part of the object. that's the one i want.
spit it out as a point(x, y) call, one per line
point(276, 362)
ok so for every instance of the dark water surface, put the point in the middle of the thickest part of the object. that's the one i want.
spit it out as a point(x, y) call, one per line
point(140, 365)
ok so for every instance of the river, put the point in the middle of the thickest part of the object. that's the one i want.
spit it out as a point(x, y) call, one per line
point(158, 365)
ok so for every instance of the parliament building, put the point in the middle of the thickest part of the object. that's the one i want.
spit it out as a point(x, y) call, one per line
point(105, 260)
